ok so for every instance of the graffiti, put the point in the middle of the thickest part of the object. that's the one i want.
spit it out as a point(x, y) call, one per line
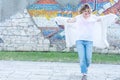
point(1, 41)
point(44, 11)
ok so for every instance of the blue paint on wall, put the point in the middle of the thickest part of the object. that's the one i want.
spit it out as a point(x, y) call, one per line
point(51, 7)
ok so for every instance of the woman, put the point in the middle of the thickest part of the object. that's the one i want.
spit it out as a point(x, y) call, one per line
point(85, 25)
point(85, 31)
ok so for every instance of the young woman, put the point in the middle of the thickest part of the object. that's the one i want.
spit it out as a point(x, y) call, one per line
point(85, 25)
point(85, 31)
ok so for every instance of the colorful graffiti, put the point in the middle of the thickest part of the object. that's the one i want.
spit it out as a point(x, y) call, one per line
point(53, 8)
point(43, 12)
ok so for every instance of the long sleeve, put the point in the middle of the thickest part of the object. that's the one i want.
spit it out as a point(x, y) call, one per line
point(100, 35)
point(70, 30)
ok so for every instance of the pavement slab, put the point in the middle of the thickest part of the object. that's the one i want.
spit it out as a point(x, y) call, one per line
point(28, 70)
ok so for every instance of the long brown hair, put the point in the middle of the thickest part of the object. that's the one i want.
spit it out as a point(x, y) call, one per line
point(84, 7)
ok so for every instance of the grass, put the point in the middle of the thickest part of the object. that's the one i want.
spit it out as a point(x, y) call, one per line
point(57, 57)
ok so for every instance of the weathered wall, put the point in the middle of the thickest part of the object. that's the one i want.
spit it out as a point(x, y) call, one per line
point(18, 31)
point(10, 7)
point(20, 34)
point(0, 10)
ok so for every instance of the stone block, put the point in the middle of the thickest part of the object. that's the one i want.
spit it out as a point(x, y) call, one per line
point(46, 41)
point(104, 51)
point(40, 42)
point(24, 48)
point(17, 15)
point(22, 24)
point(52, 49)
point(46, 48)
point(39, 48)
point(113, 51)
point(10, 48)
point(15, 24)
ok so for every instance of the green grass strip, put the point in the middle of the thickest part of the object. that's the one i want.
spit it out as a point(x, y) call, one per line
point(58, 57)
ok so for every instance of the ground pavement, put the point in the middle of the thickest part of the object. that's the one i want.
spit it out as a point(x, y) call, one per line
point(27, 70)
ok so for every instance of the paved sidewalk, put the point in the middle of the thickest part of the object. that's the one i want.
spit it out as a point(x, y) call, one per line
point(23, 70)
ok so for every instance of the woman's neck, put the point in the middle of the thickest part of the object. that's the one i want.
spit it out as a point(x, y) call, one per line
point(86, 17)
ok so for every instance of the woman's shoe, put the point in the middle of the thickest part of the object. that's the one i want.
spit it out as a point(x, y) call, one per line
point(84, 77)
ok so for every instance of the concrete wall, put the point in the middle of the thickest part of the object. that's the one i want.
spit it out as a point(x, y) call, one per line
point(10, 7)
point(19, 32)
point(0, 10)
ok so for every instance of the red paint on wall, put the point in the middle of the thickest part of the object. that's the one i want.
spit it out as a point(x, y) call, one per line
point(114, 9)
point(98, 1)
point(46, 2)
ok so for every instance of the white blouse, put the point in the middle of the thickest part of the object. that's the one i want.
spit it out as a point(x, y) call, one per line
point(89, 29)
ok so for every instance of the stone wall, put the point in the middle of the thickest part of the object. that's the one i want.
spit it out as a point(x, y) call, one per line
point(113, 36)
point(19, 33)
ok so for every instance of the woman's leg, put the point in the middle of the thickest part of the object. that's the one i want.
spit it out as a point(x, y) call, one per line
point(89, 48)
point(81, 53)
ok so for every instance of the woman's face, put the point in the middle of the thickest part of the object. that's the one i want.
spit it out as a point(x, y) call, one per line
point(86, 13)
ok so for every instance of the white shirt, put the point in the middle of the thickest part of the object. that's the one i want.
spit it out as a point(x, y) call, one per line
point(85, 27)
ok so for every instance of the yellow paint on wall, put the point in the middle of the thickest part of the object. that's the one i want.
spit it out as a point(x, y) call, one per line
point(95, 12)
point(102, 14)
point(112, 1)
